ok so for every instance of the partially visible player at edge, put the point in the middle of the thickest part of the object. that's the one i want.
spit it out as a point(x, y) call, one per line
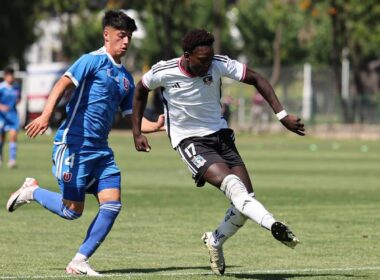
point(9, 120)
point(83, 161)
point(192, 90)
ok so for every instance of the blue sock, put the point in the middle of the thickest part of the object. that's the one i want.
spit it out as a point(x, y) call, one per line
point(53, 202)
point(100, 227)
point(12, 150)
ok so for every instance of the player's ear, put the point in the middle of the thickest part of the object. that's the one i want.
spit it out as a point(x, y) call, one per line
point(186, 55)
point(106, 35)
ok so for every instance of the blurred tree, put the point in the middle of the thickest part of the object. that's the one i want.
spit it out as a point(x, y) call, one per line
point(354, 27)
point(81, 22)
point(167, 21)
point(17, 21)
point(270, 35)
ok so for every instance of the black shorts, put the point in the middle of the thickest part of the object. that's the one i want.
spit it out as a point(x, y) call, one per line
point(200, 153)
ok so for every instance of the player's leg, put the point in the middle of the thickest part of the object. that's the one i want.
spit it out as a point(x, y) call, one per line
point(2, 140)
point(235, 182)
point(236, 191)
point(107, 191)
point(109, 209)
point(70, 203)
point(199, 153)
point(12, 148)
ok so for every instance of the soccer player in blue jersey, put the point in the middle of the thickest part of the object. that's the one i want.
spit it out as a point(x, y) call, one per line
point(83, 162)
point(9, 120)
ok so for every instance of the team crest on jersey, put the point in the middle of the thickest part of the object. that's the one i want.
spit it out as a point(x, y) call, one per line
point(198, 161)
point(67, 176)
point(207, 80)
point(126, 83)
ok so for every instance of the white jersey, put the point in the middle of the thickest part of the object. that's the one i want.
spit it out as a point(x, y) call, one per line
point(192, 104)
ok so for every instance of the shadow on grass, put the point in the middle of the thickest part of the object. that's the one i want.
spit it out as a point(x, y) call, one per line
point(257, 276)
point(159, 269)
point(286, 276)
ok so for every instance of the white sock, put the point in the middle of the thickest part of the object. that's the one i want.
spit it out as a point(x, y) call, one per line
point(231, 223)
point(80, 257)
point(236, 192)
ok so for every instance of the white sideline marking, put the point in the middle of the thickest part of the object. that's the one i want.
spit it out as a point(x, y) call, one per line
point(152, 274)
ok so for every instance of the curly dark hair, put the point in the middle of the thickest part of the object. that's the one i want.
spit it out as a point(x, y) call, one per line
point(119, 20)
point(196, 38)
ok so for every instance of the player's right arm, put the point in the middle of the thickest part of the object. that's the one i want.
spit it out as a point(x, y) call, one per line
point(139, 104)
point(41, 123)
point(149, 81)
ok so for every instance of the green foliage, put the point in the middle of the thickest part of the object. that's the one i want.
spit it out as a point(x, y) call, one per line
point(17, 21)
point(302, 39)
point(83, 35)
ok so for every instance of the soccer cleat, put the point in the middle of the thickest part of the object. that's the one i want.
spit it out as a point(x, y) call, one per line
point(283, 234)
point(12, 164)
point(23, 195)
point(217, 263)
point(81, 268)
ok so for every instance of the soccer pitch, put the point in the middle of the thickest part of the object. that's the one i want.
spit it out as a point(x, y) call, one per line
point(328, 191)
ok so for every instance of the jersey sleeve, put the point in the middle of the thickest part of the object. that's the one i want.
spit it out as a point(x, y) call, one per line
point(152, 79)
point(127, 102)
point(230, 68)
point(82, 68)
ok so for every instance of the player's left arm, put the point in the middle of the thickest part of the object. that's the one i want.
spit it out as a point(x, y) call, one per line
point(147, 126)
point(291, 122)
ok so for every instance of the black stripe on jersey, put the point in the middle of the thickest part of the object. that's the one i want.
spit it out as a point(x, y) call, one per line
point(220, 58)
point(164, 68)
point(167, 115)
point(154, 67)
point(167, 63)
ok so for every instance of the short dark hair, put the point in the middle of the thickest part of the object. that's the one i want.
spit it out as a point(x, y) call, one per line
point(119, 20)
point(9, 71)
point(196, 38)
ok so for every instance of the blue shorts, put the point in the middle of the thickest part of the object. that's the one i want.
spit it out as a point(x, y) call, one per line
point(81, 170)
point(10, 121)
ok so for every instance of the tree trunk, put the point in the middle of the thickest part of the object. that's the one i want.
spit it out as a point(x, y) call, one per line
point(276, 67)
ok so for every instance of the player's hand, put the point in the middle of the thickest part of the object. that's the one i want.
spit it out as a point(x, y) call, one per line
point(4, 108)
point(141, 143)
point(37, 127)
point(294, 124)
point(161, 122)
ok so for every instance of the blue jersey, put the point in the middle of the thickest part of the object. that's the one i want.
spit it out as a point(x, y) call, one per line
point(9, 96)
point(102, 87)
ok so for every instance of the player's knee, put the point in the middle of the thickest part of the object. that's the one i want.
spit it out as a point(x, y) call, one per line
point(69, 214)
point(232, 184)
point(111, 207)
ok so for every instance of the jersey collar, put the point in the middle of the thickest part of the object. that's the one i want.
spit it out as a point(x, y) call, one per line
point(119, 65)
point(183, 70)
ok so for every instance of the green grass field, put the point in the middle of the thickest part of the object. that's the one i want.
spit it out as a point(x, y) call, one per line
point(328, 191)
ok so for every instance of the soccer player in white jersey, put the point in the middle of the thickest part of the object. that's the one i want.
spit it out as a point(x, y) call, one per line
point(82, 160)
point(191, 88)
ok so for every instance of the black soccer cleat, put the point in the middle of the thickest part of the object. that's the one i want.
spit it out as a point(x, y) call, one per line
point(283, 234)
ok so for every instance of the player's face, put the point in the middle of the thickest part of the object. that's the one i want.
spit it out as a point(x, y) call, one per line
point(200, 59)
point(116, 41)
point(9, 78)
